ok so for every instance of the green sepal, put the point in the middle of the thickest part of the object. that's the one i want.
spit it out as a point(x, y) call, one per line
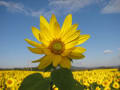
point(49, 68)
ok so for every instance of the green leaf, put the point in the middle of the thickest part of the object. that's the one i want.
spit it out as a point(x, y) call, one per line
point(35, 82)
point(77, 86)
point(63, 79)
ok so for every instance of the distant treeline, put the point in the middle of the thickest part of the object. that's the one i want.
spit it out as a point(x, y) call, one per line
point(73, 68)
point(26, 68)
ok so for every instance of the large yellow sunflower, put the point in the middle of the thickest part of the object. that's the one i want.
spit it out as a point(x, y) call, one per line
point(57, 43)
point(10, 82)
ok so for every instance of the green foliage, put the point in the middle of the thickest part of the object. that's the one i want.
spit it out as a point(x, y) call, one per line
point(94, 85)
point(49, 68)
point(63, 79)
point(35, 82)
point(77, 86)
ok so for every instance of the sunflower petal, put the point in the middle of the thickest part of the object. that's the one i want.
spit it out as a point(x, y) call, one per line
point(76, 56)
point(36, 50)
point(77, 50)
point(44, 62)
point(53, 20)
point(83, 38)
point(45, 33)
point(54, 26)
point(36, 33)
point(71, 44)
point(72, 37)
point(38, 60)
point(47, 51)
point(67, 24)
point(56, 60)
point(67, 51)
point(65, 63)
point(33, 43)
point(56, 30)
point(70, 32)
point(43, 20)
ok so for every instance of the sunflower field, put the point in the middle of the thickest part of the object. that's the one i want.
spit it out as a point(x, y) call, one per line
point(97, 79)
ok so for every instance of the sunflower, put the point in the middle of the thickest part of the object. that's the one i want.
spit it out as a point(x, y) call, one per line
point(116, 85)
point(57, 43)
point(10, 82)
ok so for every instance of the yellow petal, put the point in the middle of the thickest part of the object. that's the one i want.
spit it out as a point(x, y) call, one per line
point(44, 33)
point(36, 50)
point(43, 20)
point(76, 56)
point(47, 51)
point(54, 26)
point(83, 38)
point(67, 24)
point(46, 37)
point(36, 33)
point(65, 63)
point(66, 52)
point(33, 43)
point(56, 60)
point(44, 62)
point(56, 30)
point(71, 44)
point(69, 32)
point(78, 50)
point(53, 20)
point(72, 37)
point(38, 60)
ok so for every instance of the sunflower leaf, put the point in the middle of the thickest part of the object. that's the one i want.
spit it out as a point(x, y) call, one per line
point(63, 79)
point(35, 82)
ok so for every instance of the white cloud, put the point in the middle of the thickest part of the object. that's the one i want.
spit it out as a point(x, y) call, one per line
point(70, 5)
point(58, 7)
point(14, 7)
point(42, 12)
point(20, 8)
point(108, 51)
point(112, 7)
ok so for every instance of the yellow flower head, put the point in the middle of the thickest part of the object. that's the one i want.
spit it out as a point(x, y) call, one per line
point(10, 82)
point(116, 85)
point(105, 83)
point(57, 43)
point(107, 88)
point(98, 88)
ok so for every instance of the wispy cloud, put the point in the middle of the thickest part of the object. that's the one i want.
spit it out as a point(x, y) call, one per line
point(60, 7)
point(42, 12)
point(71, 5)
point(112, 7)
point(14, 7)
point(108, 51)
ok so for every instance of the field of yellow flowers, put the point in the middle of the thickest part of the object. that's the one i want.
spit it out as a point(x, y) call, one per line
point(98, 79)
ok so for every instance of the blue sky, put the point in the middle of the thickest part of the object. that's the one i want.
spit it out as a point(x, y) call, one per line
point(99, 18)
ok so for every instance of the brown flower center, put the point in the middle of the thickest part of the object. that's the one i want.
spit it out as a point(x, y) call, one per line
point(56, 47)
point(9, 81)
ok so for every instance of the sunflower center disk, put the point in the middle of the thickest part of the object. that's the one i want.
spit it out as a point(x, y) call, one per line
point(56, 47)
point(9, 82)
